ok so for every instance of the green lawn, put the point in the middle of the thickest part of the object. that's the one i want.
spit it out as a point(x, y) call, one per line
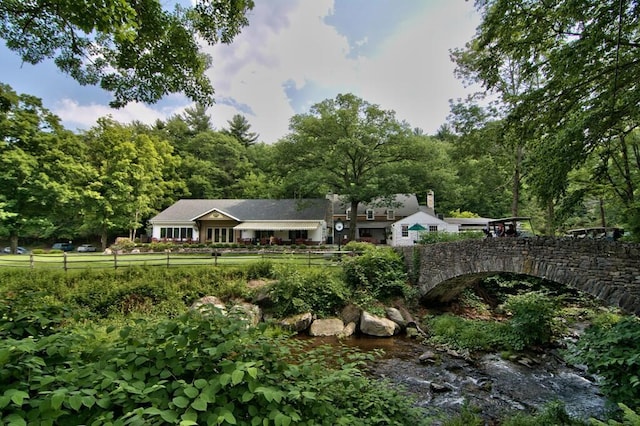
point(100, 260)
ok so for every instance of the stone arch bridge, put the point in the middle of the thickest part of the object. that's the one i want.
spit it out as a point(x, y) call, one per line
point(607, 270)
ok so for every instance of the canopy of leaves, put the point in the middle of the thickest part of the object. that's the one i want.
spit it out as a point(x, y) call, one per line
point(135, 49)
point(40, 176)
point(347, 146)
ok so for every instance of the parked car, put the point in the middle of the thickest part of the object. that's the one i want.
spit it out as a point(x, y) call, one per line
point(19, 250)
point(85, 248)
point(63, 246)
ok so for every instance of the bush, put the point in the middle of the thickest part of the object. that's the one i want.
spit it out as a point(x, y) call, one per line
point(200, 368)
point(462, 333)
point(307, 290)
point(553, 413)
point(530, 324)
point(532, 319)
point(612, 352)
point(441, 237)
point(378, 271)
point(260, 269)
point(359, 246)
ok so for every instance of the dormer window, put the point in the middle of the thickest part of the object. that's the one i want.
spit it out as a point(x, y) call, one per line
point(391, 214)
point(370, 214)
point(348, 214)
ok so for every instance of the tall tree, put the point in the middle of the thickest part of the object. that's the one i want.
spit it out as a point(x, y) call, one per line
point(583, 56)
point(239, 128)
point(128, 180)
point(41, 170)
point(350, 147)
point(133, 48)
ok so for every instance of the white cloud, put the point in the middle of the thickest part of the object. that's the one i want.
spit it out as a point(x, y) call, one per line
point(85, 116)
point(288, 41)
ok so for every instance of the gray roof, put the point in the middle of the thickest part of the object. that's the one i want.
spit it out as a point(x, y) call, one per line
point(243, 210)
point(402, 204)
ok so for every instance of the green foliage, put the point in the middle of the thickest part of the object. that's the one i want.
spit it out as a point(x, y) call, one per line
point(31, 313)
point(630, 417)
point(532, 319)
point(554, 413)
point(260, 269)
point(530, 324)
point(107, 293)
point(378, 271)
point(296, 291)
point(358, 246)
point(463, 333)
point(468, 416)
point(441, 237)
point(613, 353)
point(140, 52)
point(199, 368)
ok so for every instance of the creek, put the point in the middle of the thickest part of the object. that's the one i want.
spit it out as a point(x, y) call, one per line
point(446, 381)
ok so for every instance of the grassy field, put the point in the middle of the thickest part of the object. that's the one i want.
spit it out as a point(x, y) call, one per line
point(113, 261)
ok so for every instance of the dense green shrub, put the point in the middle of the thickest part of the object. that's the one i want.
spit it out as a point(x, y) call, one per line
point(441, 237)
point(378, 271)
point(463, 333)
point(317, 290)
point(553, 413)
point(613, 353)
point(195, 369)
point(359, 246)
point(629, 416)
point(260, 269)
point(531, 321)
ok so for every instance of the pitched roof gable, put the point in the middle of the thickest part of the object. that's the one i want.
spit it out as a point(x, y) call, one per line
point(187, 210)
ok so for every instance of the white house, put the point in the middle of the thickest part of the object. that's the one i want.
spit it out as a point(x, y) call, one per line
point(243, 221)
point(406, 231)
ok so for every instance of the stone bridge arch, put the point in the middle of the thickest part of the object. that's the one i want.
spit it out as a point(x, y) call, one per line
point(607, 270)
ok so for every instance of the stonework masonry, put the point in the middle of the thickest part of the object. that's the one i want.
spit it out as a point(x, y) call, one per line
point(605, 269)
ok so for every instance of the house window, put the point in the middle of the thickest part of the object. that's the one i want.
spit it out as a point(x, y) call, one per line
point(220, 235)
point(180, 234)
point(348, 214)
point(370, 214)
point(433, 228)
point(405, 231)
point(391, 214)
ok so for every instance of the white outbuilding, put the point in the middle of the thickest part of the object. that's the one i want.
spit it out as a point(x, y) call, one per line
point(406, 231)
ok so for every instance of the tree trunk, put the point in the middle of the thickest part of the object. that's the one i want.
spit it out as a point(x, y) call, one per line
point(13, 242)
point(515, 201)
point(550, 218)
point(353, 220)
point(103, 239)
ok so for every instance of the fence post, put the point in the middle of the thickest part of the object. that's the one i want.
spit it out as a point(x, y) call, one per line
point(309, 255)
point(115, 259)
point(31, 263)
point(64, 260)
point(168, 257)
point(215, 257)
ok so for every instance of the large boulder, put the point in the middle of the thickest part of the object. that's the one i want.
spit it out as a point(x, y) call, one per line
point(298, 322)
point(396, 316)
point(326, 327)
point(208, 301)
point(247, 311)
point(351, 313)
point(377, 326)
point(348, 330)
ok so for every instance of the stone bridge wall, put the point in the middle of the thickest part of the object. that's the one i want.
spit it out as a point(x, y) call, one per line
point(608, 270)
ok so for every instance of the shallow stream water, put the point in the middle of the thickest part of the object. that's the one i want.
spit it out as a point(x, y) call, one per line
point(493, 385)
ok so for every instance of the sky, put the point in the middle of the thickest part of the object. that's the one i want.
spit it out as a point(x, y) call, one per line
point(294, 54)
